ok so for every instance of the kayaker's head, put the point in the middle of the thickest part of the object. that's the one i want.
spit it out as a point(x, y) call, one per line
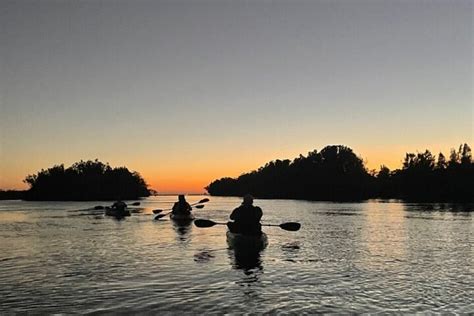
point(181, 198)
point(248, 200)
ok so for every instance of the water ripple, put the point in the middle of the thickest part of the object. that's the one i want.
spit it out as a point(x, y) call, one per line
point(347, 258)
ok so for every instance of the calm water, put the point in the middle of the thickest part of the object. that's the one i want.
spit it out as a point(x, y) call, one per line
point(350, 257)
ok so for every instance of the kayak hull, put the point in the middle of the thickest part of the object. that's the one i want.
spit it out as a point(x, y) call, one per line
point(178, 218)
point(246, 242)
point(116, 212)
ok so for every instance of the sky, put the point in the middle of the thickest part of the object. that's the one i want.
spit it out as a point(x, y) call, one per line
point(185, 92)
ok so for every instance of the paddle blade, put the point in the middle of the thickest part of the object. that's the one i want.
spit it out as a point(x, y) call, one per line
point(135, 203)
point(157, 211)
point(204, 223)
point(291, 226)
point(199, 206)
point(157, 217)
point(204, 200)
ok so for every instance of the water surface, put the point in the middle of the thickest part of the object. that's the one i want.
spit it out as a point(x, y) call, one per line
point(348, 257)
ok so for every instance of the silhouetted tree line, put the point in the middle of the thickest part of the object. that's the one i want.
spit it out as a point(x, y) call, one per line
point(12, 194)
point(85, 181)
point(425, 178)
point(336, 173)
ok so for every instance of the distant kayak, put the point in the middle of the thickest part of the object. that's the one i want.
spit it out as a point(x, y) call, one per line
point(110, 211)
point(246, 242)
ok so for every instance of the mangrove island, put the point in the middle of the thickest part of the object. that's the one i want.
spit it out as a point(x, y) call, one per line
point(85, 181)
point(336, 173)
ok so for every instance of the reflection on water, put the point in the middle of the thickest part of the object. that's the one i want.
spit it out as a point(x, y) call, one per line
point(453, 208)
point(182, 229)
point(250, 264)
point(248, 261)
point(65, 257)
point(203, 256)
point(290, 251)
point(245, 251)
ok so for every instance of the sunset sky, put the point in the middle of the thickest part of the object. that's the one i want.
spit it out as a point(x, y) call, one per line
point(185, 92)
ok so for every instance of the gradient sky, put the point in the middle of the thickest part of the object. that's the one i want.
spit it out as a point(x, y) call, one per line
point(185, 92)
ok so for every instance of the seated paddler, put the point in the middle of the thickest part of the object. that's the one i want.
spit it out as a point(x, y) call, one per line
point(181, 207)
point(246, 218)
point(119, 206)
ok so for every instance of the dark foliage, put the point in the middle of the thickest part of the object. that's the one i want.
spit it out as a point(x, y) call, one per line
point(12, 195)
point(424, 179)
point(86, 181)
point(336, 173)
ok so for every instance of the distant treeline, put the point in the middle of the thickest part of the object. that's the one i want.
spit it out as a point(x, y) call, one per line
point(12, 195)
point(336, 173)
point(85, 181)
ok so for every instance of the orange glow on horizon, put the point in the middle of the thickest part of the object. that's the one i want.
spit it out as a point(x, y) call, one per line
point(193, 175)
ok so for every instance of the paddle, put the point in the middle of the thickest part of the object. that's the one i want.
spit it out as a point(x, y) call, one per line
point(194, 204)
point(290, 226)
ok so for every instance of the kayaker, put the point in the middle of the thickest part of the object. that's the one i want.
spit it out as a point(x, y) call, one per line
point(246, 218)
point(119, 205)
point(118, 209)
point(181, 207)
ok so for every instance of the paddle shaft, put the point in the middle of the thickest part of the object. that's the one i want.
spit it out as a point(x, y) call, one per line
point(220, 223)
point(169, 209)
point(290, 226)
point(168, 213)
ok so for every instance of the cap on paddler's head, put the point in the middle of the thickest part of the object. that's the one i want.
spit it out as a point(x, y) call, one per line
point(181, 197)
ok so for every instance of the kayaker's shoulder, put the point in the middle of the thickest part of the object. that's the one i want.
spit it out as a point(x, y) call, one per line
point(258, 210)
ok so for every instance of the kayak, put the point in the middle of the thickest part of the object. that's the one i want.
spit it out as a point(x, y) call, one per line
point(247, 242)
point(110, 211)
point(182, 218)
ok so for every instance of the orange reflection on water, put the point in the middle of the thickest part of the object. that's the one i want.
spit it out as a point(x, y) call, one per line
point(9, 217)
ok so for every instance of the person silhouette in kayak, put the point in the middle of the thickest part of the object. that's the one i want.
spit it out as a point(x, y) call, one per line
point(119, 205)
point(246, 218)
point(181, 207)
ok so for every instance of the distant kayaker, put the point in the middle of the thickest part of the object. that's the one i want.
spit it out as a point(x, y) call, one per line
point(181, 207)
point(246, 218)
point(119, 205)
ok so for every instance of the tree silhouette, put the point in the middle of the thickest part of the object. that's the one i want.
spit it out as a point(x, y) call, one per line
point(86, 180)
point(336, 173)
point(441, 164)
